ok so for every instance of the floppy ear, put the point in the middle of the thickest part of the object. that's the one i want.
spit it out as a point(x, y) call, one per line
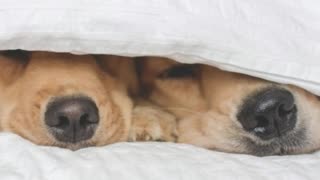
point(12, 63)
point(121, 68)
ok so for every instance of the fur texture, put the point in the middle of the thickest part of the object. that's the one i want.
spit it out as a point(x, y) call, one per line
point(207, 100)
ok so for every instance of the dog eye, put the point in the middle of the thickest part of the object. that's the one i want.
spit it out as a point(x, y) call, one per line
point(180, 71)
point(19, 56)
point(16, 54)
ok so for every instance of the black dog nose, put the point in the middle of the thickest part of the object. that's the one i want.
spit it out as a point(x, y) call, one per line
point(269, 113)
point(72, 119)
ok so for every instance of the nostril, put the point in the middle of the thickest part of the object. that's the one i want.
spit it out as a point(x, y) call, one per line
point(84, 117)
point(261, 124)
point(286, 112)
point(262, 121)
point(62, 123)
point(84, 120)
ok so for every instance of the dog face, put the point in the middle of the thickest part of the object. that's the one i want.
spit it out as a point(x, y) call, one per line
point(62, 100)
point(231, 112)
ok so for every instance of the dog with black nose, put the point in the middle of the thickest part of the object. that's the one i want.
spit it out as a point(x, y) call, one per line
point(231, 112)
point(64, 100)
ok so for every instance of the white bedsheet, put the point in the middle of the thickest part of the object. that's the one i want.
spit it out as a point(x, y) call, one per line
point(20, 159)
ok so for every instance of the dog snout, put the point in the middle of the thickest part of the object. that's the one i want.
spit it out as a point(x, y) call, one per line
point(72, 119)
point(270, 113)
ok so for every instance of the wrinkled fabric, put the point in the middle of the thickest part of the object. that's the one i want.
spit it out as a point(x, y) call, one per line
point(277, 40)
point(20, 159)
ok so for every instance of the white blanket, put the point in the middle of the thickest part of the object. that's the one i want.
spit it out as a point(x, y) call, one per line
point(20, 159)
point(274, 39)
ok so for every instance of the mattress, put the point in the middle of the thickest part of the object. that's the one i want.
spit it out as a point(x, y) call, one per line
point(277, 40)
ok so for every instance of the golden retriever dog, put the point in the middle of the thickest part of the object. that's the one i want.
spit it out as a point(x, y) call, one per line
point(70, 101)
point(62, 100)
point(232, 112)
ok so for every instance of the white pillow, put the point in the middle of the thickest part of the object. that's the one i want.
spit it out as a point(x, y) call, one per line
point(274, 39)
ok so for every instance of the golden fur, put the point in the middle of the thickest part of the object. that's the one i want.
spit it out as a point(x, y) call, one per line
point(29, 81)
point(167, 101)
point(206, 102)
point(29, 84)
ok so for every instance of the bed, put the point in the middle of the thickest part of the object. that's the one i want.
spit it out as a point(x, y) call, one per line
point(278, 40)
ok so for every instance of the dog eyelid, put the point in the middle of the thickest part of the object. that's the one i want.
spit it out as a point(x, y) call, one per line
point(179, 71)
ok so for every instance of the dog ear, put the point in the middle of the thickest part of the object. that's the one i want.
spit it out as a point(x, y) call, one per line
point(12, 63)
point(121, 68)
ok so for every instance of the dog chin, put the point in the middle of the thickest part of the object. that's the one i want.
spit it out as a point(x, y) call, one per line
point(291, 143)
point(73, 146)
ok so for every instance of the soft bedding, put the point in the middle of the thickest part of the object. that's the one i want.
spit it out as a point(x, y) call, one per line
point(272, 39)
point(135, 161)
point(277, 40)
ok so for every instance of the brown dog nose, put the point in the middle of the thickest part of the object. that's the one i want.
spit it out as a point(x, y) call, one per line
point(72, 119)
point(269, 113)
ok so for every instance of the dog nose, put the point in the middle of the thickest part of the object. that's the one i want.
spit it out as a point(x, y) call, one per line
point(72, 119)
point(269, 113)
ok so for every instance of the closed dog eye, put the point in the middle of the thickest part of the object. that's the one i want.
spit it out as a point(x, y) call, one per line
point(16, 54)
point(180, 71)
